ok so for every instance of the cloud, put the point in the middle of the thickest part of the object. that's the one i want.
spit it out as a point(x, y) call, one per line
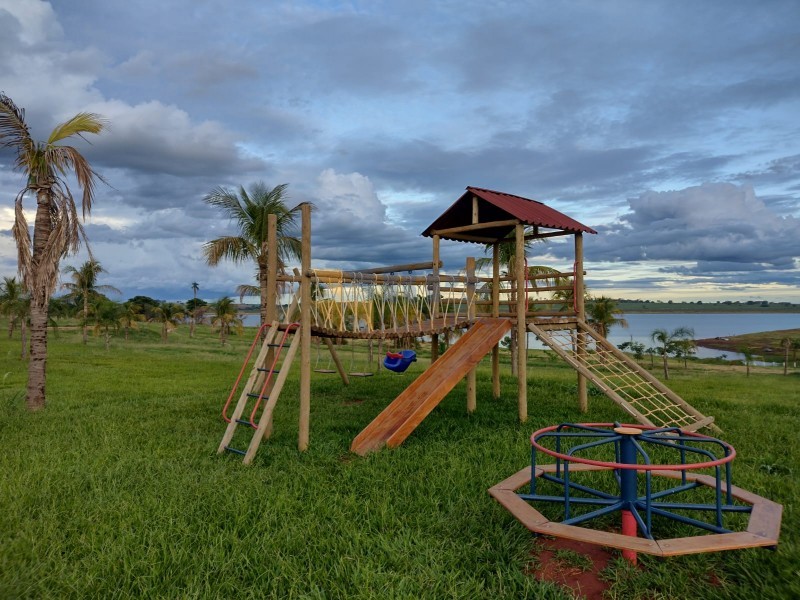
point(715, 228)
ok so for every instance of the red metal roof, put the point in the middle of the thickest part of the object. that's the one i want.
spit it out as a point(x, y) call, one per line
point(499, 206)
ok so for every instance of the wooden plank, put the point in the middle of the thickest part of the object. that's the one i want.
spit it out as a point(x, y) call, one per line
point(400, 418)
point(474, 227)
point(600, 538)
point(712, 543)
point(765, 520)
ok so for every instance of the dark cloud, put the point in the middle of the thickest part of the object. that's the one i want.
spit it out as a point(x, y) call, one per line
point(715, 228)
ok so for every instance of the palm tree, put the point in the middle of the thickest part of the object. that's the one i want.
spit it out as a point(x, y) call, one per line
point(749, 355)
point(787, 345)
point(226, 318)
point(107, 315)
point(11, 294)
point(250, 210)
point(195, 288)
point(603, 313)
point(668, 341)
point(130, 315)
point(57, 230)
point(84, 288)
point(169, 314)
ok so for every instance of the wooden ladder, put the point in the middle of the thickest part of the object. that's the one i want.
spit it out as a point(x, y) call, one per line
point(263, 386)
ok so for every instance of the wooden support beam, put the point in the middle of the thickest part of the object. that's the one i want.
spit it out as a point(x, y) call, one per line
point(305, 330)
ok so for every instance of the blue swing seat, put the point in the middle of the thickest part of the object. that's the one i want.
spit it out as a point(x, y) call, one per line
point(399, 361)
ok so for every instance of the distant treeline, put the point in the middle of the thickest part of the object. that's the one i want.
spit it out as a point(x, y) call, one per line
point(718, 306)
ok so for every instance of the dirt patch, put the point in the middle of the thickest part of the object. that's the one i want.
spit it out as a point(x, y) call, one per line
point(573, 565)
point(353, 402)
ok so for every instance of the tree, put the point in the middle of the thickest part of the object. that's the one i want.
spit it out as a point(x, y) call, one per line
point(169, 314)
point(129, 316)
point(226, 318)
point(195, 288)
point(749, 355)
point(84, 288)
point(668, 342)
point(11, 295)
point(250, 211)
point(57, 230)
point(107, 315)
point(787, 345)
point(603, 313)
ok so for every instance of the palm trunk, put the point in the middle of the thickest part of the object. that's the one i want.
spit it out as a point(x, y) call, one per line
point(40, 294)
point(10, 327)
point(38, 363)
point(85, 317)
point(108, 338)
point(666, 367)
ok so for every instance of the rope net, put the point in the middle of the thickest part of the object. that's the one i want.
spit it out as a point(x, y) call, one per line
point(650, 403)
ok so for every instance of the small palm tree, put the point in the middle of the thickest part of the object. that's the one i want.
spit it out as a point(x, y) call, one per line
point(130, 316)
point(195, 288)
point(107, 315)
point(57, 230)
point(11, 294)
point(668, 341)
point(250, 210)
point(169, 314)
point(84, 287)
point(603, 313)
point(226, 318)
point(749, 355)
point(786, 343)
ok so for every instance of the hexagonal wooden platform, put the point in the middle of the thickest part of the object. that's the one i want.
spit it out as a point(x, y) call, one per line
point(763, 527)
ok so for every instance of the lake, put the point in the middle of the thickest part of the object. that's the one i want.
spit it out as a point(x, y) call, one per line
point(705, 325)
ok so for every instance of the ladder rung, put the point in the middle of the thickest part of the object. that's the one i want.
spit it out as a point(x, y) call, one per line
point(244, 422)
point(235, 451)
point(254, 395)
point(267, 370)
point(274, 345)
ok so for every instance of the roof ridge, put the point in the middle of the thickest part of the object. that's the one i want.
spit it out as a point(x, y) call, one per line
point(477, 189)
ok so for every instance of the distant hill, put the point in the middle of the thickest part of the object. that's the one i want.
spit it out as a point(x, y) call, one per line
point(719, 306)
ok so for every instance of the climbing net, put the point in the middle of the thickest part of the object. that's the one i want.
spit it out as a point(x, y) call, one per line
point(623, 380)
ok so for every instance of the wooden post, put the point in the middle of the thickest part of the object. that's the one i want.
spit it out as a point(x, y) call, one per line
point(472, 386)
point(435, 290)
point(272, 294)
point(305, 330)
point(583, 397)
point(495, 314)
point(522, 335)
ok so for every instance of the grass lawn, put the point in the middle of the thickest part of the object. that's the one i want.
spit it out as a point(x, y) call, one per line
point(115, 490)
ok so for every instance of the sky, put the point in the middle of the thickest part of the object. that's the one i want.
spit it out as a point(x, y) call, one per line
point(669, 126)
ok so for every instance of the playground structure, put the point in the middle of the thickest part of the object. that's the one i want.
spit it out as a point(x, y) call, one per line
point(386, 304)
point(585, 452)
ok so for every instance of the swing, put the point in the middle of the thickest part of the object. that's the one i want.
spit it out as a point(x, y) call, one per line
point(352, 361)
point(317, 369)
point(399, 361)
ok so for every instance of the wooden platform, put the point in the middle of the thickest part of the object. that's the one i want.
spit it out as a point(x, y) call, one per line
point(763, 527)
point(411, 407)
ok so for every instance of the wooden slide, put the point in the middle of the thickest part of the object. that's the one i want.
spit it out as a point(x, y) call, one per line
point(410, 408)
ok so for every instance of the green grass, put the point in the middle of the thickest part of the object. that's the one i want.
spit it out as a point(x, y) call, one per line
point(115, 490)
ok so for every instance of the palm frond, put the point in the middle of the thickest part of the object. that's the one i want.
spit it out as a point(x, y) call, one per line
point(80, 123)
point(233, 248)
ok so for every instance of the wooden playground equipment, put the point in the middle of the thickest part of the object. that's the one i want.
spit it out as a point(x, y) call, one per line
point(383, 304)
point(605, 468)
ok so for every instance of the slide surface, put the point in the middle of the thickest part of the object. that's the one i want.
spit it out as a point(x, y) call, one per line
point(411, 407)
